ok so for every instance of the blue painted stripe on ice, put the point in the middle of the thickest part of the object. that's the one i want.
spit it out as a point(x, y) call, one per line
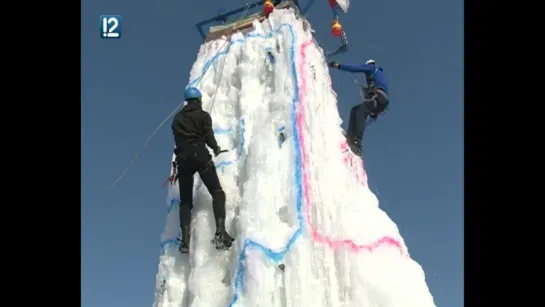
point(277, 256)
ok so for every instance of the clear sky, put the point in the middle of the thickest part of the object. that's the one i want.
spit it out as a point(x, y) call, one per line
point(413, 155)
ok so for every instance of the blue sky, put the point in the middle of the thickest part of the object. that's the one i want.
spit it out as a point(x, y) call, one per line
point(413, 155)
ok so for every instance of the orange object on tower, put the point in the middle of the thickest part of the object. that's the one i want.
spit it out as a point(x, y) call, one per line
point(332, 3)
point(268, 7)
point(336, 28)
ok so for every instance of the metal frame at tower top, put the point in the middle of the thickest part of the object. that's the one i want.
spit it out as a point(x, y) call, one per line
point(222, 18)
point(249, 6)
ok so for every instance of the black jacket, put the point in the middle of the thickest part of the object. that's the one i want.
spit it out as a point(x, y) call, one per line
point(193, 124)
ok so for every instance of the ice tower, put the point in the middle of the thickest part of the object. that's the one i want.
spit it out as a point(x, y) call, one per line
point(309, 232)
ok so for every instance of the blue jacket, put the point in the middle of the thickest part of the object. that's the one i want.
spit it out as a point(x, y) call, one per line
point(369, 70)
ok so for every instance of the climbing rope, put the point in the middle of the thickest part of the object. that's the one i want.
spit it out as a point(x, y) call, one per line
point(131, 163)
point(354, 78)
point(240, 20)
point(142, 148)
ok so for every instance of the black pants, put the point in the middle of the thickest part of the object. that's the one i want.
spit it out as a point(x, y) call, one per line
point(376, 103)
point(192, 158)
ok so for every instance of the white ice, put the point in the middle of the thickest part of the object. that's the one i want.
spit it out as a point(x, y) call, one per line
point(303, 203)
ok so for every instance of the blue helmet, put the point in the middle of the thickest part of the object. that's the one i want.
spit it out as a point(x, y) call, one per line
point(192, 93)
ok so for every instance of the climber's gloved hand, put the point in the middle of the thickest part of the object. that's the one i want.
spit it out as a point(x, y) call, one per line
point(217, 151)
point(333, 64)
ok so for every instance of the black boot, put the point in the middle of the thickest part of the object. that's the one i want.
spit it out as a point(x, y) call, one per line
point(186, 238)
point(222, 239)
point(355, 144)
point(185, 225)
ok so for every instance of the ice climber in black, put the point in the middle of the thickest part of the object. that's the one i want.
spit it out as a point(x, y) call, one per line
point(192, 128)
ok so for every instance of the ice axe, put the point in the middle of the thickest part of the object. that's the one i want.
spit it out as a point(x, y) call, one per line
point(220, 152)
point(170, 180)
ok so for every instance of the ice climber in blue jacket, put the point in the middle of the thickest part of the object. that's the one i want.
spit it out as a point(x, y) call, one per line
point(375, 100)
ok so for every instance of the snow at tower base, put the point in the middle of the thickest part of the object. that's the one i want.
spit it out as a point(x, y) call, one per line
point(297, 198)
